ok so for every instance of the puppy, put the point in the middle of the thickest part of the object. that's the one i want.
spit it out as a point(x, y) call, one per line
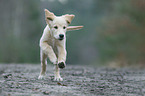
point(53, 42)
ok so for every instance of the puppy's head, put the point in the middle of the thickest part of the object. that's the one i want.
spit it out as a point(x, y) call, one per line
point(58, 24)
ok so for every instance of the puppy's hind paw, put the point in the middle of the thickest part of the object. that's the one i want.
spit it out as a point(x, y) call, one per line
point(41, 77)
point(58, 79)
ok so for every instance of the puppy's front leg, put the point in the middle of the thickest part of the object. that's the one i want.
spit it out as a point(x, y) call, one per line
point(61, 56)
point(61, 62)
point(49, 51)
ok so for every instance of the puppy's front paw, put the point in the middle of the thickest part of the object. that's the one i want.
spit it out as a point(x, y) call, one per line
point(61, 65)
point(58, 79)
point(41, 77)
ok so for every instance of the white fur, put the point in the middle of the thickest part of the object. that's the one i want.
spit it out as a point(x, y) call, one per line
point(51, 46)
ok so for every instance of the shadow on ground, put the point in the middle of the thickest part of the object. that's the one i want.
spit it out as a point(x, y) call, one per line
point(21, 80)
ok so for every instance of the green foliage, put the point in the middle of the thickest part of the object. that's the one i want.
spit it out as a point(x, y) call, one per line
point(113, 30)
point(121, 36)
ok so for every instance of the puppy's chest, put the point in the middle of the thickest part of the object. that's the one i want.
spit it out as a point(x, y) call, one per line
point(53, 44)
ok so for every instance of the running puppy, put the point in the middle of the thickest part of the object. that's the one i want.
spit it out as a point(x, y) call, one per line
point(53, 42)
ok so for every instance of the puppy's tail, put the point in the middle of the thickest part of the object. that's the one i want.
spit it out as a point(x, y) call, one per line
point(70, 28)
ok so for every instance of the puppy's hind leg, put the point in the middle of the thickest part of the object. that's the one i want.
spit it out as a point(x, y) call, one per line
point(57, 76)
point(43, 58)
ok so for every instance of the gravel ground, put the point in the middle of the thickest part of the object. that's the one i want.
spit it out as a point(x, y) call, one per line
point(21, 80)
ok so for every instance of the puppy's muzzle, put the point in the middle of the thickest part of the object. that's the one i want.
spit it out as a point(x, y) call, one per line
point(61, 36)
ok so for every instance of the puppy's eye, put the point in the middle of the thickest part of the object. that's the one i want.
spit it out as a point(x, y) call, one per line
point(64, 27)
point(55, 27)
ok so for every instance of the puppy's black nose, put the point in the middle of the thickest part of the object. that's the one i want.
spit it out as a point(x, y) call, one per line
point(61, 36)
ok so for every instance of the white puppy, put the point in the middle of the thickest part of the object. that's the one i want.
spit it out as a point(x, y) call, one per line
point(53, 42)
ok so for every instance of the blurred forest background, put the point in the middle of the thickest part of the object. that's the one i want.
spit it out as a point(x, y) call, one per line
point(113, 33)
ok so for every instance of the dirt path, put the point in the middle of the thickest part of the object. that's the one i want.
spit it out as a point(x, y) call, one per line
point(21, 80)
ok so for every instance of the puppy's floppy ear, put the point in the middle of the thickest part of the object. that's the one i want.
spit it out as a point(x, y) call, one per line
point(70, 28)
point(69, 18)
point(49, 15)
